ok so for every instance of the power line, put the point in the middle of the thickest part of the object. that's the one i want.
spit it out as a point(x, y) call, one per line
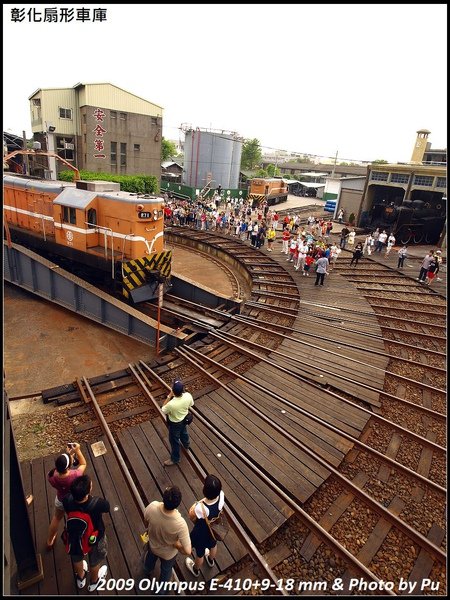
point(289, 152)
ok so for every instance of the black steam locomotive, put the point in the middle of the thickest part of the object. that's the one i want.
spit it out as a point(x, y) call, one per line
point(412, 221)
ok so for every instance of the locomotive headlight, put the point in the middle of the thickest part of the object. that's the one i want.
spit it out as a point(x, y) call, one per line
point(140, 207)
point(155, 215)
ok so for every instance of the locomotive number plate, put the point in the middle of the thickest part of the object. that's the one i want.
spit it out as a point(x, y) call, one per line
point(145, 215)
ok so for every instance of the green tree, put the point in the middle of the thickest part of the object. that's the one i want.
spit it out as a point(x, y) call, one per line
point(273, 171)
point(251, 154)
point(261, 173)
point(380, 161)
point(168, 150)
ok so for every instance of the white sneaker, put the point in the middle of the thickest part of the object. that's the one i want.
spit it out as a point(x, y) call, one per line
point(82, 582)
point(101, 575)
point(209, 561)
point(190, 566)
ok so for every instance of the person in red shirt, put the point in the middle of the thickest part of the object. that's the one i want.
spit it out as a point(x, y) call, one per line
point(309, 259)
point(286, 236)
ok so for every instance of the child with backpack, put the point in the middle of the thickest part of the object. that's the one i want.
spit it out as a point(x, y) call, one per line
point(68, 467)
point(84, 534)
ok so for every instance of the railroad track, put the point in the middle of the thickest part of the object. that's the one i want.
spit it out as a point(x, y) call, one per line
point(393, 466)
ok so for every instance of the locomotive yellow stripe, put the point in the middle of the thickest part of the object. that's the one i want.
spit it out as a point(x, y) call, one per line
point(135, 271)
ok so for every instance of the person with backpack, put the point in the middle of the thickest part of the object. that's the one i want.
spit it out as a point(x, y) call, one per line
point(202, 538)
point(176, 406)
point(168, 533)
point(84, 534)
point(68, 467)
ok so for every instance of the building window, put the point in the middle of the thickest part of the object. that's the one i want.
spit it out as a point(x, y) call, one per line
point(399, 178)
point(123, 116)
point(92, 218)
point(154, 120)
point(113, 114)
point(69, 215)
point(123, 155)
point(84, 119)
point(137, 147)
point(441, 182)
point(36, 101)
point(65, 147)
point(114, 153)
point(423, 180)
point(65, 113)
point(379, 176)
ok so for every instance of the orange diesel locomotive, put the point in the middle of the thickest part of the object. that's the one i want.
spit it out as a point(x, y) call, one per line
point(271, 190)
point(95, 224)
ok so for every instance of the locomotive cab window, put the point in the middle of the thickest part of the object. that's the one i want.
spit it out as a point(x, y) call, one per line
point(92, 218)
point(69, 215)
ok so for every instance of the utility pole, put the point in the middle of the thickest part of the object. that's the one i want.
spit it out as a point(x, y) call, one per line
point(334, 166)
point(27, 161)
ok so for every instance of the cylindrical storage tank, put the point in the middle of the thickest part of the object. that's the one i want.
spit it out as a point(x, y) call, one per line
point(211, 156)
point(236, 164)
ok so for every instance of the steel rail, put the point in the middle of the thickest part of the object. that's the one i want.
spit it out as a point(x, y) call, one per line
point(107, 431)
point(376, 506)
point(355, 360)
point(365, 385)
point(388, 340)
point(378, 316)
point(346, 344)
point(240, 531)
point(324, 535)
point(427, 304)
point(261, 358)
point(355, 441)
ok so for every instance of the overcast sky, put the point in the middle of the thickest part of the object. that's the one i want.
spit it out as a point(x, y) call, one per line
point(357, 79)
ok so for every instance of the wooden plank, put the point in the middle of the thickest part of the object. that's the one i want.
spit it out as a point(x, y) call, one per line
point(424, 563)
point(424, 466)
point(134, 448)
point(391, 452)
point(42, 516)
point(374, 541)
point(341, 365)
point(259, 513)
point(315, 436)
point(277, 443)
point(331, 516)
point(273, 558)
point(262, 445)
point(330, 409)
point(127, 522)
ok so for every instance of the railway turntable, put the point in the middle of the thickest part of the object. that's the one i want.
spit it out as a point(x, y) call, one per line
point(300, 409)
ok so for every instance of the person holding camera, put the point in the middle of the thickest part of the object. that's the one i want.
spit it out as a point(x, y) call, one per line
point(176, 406)
point(68, 467)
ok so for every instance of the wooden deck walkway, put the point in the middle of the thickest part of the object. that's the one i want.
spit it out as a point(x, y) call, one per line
point(259, 436)
point(330, 328)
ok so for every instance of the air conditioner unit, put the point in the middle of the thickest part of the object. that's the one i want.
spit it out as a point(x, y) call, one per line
point(69, 146)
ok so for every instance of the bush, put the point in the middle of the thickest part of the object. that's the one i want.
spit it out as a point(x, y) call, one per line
point(140, 184)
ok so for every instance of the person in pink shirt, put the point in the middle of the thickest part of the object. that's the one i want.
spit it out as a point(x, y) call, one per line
point(68, 467)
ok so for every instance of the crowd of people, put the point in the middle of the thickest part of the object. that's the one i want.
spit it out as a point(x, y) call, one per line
point(303, 245)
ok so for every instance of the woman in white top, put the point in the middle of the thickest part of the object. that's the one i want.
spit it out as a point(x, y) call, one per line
point(351, 238)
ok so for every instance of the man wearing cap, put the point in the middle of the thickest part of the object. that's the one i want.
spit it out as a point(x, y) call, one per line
point(176, 406)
